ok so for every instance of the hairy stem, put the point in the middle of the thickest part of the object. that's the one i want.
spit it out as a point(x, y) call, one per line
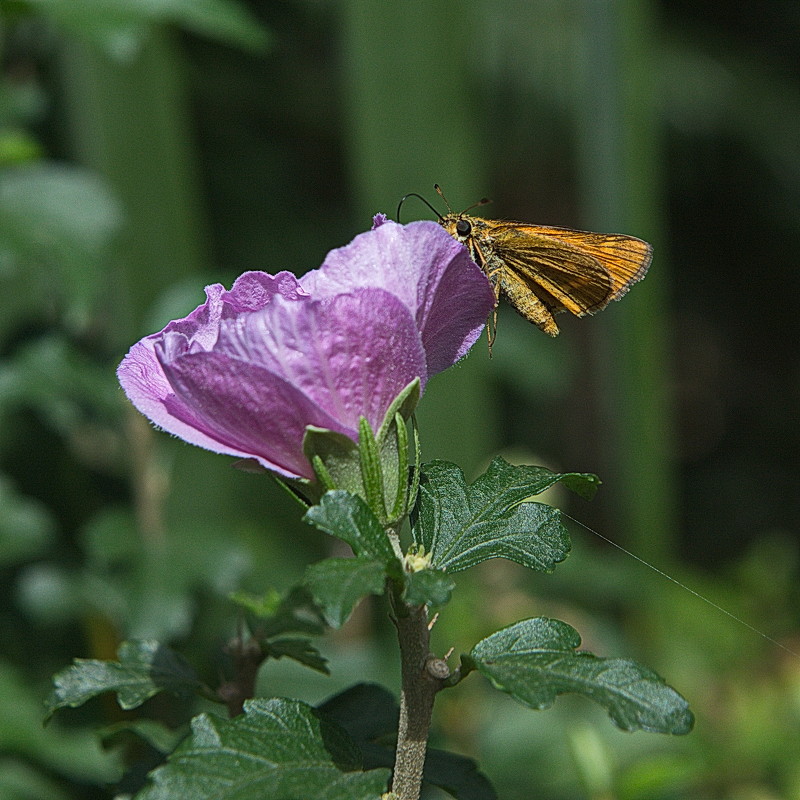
point(419, 687)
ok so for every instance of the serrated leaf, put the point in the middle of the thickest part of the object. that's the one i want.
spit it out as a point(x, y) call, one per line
point(370, 714)
point(280, 749)
point(535, 660)
point(274, 622)
point(462, 525)
point(348, 517)
point(339, 583)
point(428, 586)
point(144, 669)
point(301, 650)
point(584, 484)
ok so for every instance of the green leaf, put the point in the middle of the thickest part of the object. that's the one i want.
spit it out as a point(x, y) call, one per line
point(494, 517)
point(274, 621)
point(157, 735)
point(428, 586)
point(273, 614)
point(392, 441)
point(584, 484)
point(404, 404)
point(280, 749)
point(369, 713)
point(535, 659)
point(300, 650)
point(144, 669)
point(339, 583)
point(458, 775)
point(398, 444)
point(348, 517)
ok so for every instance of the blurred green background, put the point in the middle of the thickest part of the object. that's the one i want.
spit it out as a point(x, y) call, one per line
point(149, 148)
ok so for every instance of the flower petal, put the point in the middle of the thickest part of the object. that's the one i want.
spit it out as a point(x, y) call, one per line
point(147, 387)
point(244, 409)
point(250, 292)
point(142, 376)
point(275, 371)
point(351, 354)
point(446, 292)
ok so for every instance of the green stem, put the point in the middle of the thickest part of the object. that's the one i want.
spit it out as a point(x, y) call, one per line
point(419, 689)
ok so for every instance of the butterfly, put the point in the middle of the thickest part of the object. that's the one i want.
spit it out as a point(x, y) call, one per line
point(544, 270)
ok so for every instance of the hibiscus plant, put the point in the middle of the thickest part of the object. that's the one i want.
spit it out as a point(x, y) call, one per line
point(314, 381)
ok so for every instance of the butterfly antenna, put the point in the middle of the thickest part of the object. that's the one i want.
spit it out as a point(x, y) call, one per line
point(419, 197)
point(482, 202)
point(441, 194)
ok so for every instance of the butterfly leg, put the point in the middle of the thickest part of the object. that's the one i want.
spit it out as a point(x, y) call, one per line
point(493, 274)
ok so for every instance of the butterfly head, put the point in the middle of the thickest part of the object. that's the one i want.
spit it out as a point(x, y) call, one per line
point(458, 226)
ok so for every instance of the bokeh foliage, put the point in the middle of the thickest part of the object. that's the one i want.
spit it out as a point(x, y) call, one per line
point(149, 148)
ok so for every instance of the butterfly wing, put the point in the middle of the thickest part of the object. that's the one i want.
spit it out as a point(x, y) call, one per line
point(626, 258)
point(570, 270)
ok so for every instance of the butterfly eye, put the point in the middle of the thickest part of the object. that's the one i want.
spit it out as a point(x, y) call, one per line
point(463, 227)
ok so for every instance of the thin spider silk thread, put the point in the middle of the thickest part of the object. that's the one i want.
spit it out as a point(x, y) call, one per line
point(686, 588)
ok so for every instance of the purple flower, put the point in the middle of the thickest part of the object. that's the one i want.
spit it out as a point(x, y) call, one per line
point(248, 370)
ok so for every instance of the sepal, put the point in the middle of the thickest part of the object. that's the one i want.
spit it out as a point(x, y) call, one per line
point(376, 468)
